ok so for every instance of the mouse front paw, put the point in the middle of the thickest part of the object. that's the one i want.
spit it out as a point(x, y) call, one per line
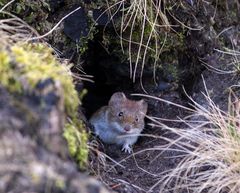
point(127, 149)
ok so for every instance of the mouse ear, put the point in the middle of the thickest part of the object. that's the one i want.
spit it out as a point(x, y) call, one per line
point(144, 106)
point(116, 98)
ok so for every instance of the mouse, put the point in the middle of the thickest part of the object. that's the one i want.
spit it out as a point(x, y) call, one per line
point(120, 122)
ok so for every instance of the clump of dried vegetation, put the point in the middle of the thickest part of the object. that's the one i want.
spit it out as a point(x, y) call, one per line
point(142, 20)
point(210, 148)
point(144, 28)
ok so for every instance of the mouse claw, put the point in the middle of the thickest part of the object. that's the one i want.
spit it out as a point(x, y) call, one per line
point(127, 149)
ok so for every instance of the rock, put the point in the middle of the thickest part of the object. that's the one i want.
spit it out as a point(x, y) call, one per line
point(76, 26)
point(37, 94)
point(31, 142)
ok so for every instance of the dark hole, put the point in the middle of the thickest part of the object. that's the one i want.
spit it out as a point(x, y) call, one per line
point(107, 78)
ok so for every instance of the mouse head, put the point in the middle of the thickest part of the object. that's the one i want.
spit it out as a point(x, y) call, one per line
point(127, 115)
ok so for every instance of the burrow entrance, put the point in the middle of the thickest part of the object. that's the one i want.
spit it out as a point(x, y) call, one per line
point(110, 75)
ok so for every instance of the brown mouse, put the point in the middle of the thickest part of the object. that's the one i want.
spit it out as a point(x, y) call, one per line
point(121, 122)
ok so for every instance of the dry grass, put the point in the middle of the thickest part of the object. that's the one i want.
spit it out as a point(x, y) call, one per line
point(144, 18)
point(211, 147)
point(13, 29)
point(145, 26)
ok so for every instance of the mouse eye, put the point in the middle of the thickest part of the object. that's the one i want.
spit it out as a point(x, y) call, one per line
point(120, 114)
point(136, 119)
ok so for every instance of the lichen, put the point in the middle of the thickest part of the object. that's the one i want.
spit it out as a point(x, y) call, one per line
point(7, 75)
point(28, 64)
point(35, 62)
point(77, 142)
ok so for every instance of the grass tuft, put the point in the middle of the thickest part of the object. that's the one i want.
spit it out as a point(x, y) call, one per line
point(144, 26)
point(140, 24)
point(211, 151)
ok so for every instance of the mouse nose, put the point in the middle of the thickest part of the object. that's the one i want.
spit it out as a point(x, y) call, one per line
point(127, 128)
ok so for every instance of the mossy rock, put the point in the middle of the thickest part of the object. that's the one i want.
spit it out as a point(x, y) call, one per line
point(24, 65)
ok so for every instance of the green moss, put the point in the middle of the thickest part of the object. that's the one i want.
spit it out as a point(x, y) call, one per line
point(35, 62)
point(22, 66)
point(23, 5)
point(77, 142)
point(8, 77)
point(3, 2)
point(30, 11)
point(60, 183)
point(172, 69)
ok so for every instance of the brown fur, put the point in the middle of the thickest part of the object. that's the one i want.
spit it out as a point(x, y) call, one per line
point(121, 122)
point(131, 110)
